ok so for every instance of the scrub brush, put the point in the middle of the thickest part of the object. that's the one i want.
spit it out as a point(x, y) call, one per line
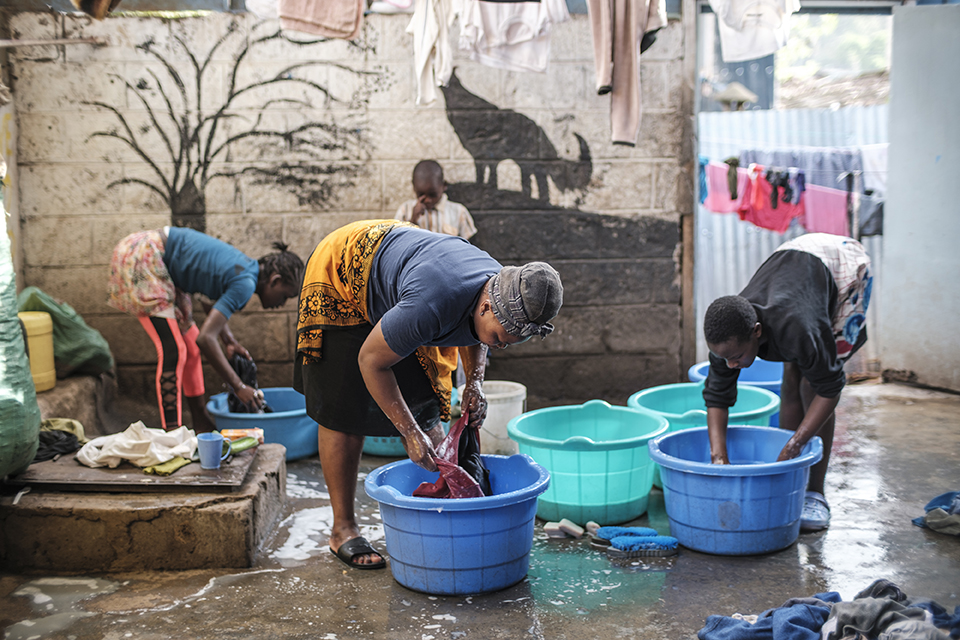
point(642, 546)
point(601, 539)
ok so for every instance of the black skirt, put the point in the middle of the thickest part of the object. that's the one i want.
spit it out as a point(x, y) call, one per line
point(337, 397)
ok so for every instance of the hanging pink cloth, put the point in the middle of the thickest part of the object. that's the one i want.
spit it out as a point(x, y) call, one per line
point(755, 205)
point(718, 190)
point(825, 211)
point(453, 482)
point(328, 18)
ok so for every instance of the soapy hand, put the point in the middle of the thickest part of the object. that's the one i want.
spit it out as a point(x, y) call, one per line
point(474, 402)
point(420, 449)
point(720, 459)
point(790, 450)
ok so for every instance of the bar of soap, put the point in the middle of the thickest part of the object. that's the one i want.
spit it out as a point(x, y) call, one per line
point(571, 528)
point(553, 530)
point(592, 528)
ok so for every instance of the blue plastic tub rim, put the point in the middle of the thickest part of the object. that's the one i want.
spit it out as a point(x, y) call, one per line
point(773, 400)
point(810, 455)
point(698, 372)
point(388, 494)
point(583, 443)
point(217, 406)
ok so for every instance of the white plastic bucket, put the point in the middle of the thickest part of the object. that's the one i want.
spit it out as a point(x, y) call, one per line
point(505, 401)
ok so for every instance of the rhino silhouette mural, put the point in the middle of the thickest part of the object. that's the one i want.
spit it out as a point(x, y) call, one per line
point(615, 268)
point(187, 144)
point(491, 135)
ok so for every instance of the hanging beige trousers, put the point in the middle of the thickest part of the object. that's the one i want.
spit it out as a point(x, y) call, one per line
point(618, 27)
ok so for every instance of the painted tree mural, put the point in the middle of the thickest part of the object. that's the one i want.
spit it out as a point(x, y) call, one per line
point(317, 145)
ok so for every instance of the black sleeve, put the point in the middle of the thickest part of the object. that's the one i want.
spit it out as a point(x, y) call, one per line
point(720, 387)
point(821, 367)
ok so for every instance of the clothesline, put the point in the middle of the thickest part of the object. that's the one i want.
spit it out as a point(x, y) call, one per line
point(782, 147)
point(806, 171)
point(771, 197)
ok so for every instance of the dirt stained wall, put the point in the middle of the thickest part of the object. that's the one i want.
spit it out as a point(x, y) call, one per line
point(289, 137)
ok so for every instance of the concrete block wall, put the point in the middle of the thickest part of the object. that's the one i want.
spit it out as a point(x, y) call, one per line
point(607, 218)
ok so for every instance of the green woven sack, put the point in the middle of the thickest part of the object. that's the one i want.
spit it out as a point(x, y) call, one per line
point(78, 348)
point(19, 413)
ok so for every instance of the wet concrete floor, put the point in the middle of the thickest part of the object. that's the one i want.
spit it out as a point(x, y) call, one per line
point(896, 448)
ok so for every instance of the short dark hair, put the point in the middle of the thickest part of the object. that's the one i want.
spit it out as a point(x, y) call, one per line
point(428, 170)
point(286, 263)
point(729, 317)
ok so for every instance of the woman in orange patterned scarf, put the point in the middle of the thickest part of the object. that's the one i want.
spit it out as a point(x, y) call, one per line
point(385, 310)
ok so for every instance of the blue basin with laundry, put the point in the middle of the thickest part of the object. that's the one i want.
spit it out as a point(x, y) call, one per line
point(288, 425)
point(750, 506)
point(459, 546)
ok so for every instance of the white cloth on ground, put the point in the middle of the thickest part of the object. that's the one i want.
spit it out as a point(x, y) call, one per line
point(139, 445)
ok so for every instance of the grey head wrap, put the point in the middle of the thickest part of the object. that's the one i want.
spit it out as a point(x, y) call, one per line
point(524, 299)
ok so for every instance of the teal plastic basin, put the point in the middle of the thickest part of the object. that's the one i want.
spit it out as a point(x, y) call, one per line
point(683, 406)
point(464, 546)
point(748, 507)
point(597, 457)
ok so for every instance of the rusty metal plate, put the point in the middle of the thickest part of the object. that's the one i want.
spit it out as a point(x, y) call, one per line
point(66, 474)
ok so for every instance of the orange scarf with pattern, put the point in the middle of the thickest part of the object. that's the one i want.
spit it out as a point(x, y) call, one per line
point(334, 294)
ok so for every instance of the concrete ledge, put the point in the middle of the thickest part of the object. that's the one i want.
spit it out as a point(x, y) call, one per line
point(83, 398)
point(61, 532)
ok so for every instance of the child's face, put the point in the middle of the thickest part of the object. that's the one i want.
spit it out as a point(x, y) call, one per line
point(428, 191)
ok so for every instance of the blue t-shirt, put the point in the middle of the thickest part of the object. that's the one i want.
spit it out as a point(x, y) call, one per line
point(423, 289)
point(201, 264)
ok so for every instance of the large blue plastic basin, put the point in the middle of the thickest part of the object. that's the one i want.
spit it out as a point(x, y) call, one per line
point(683, 406)
point(463, 546)
point(748, 507)
point(762, 373)
point(597, 458)
point(288, 425)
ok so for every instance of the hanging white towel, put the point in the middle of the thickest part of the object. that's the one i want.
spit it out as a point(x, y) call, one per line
point(432, 53)
point(510, 34)
point(263, 9)
point(875, 167)
point(139, 445)
point(751, 29)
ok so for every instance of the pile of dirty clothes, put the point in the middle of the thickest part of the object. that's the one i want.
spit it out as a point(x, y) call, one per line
point(942, 514)
point(882, 611)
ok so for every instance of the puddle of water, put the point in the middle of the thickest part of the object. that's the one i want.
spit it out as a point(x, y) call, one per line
point(309, 530)
point(58, 599)
point(308, 489)
point(572, 577)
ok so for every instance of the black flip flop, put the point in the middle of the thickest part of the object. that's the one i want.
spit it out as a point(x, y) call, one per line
point(354, 547)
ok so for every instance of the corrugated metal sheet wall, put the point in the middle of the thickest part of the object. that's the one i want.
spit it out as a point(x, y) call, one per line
point(729, 251)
